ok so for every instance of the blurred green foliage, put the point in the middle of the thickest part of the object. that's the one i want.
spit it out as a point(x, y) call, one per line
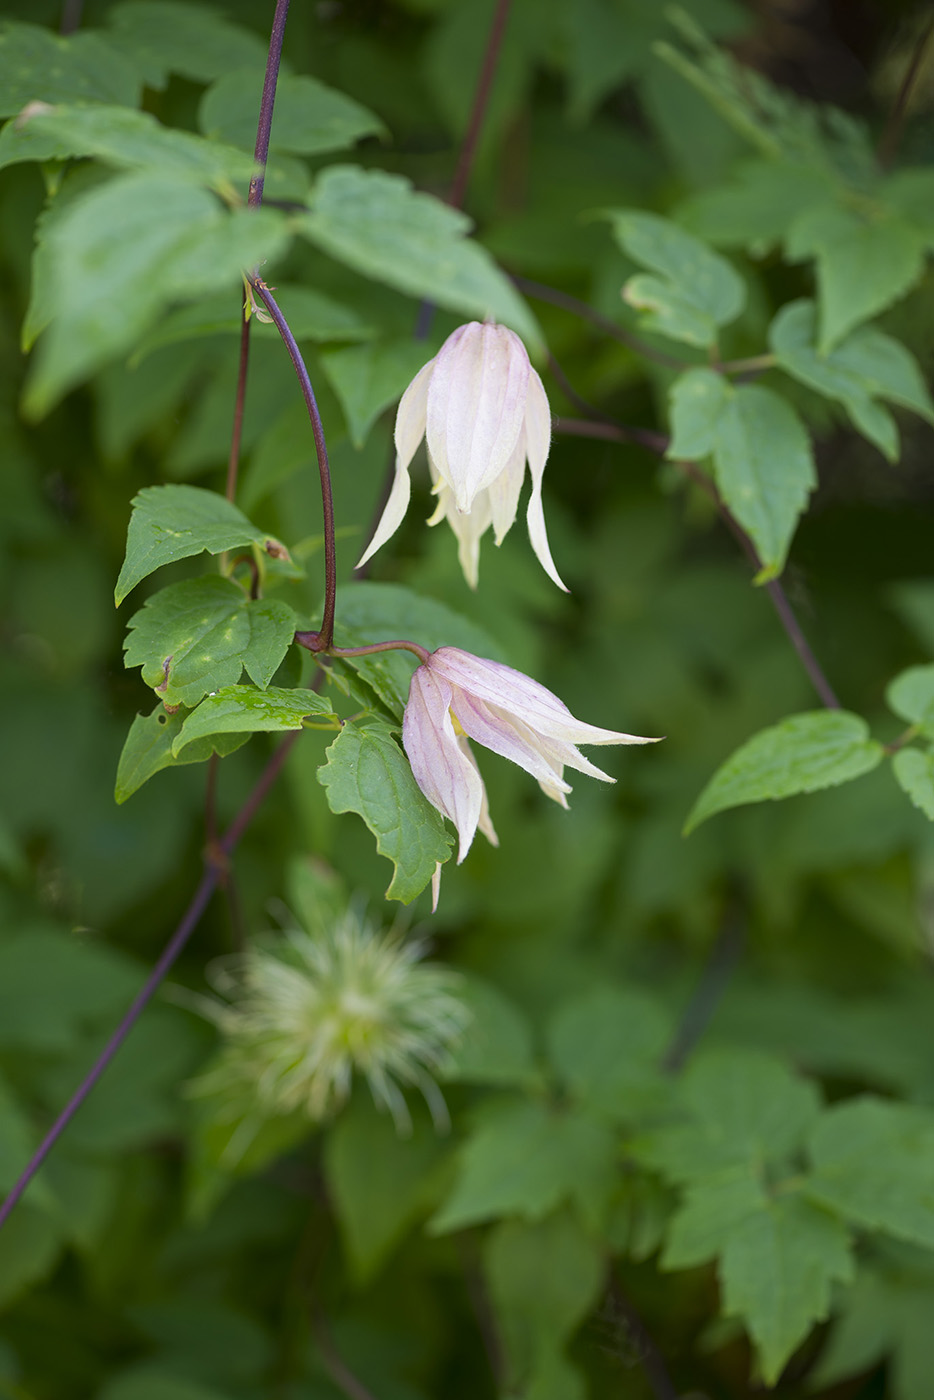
point(695, 1100)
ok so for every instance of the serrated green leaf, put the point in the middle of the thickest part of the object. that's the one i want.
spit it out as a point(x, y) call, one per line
point(126, 139)
point(148, 749)
point(308, 118)
point(872, 1163)
point(757, 207)
point(543, 1278)
point(764, 468)
point(174, 522)
point(496, 1047)
point(741, 1109)
point(911, 695)
point(698, 398)
point(38, 65)
point(914, 772)
point(863, 264)
point(379, 225)
point(367, 773)
point(368, 378)
point(163, 37)
point(242, 709)
point(607, 1046)
point(886, 1312)
point(712, 1208)
point(863, 367)
point(778, 1268)
point(120, 253)
point(807, 752)
point(199, 635)
point(380, 1183)
point(696, 290)
point(527, 1160)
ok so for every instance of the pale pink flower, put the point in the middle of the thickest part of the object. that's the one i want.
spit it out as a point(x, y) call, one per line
point(484, 413)
point(454, 697)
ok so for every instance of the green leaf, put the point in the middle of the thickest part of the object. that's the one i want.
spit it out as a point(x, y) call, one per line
point(911, 695)
point(698, 399)
point(872, 1163)
point(54, 984)
point(607, 1046)
point(804, 753)
point(914, 772)
point(526, 1160)
point(119, 254)
point(174, 522)
point(866, 365)
point(496, 1047)
point(778, 1265)
point(757, 207)
point(380, 1183)
point(125, 138)
point(696, 290)
point(544, 1278)
point(373, 612)
point(742, 1108)
point(864, 264)
point(148, 749)
point(368, 378)
point(368, 773)
point(378, 225)
point(38, 65)
point(162, 37)
point(241, 709)
point(886, 1312)
point(197, 636)
point(308, 119)
point(32, 1243)
point(764, 469)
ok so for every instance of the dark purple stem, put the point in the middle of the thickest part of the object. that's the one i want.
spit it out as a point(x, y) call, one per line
point(468, 149)
point(71, 16)
point(171, 951)
point(587, 313)
point(326, 633)
point(651, 1359)
point(261, 149)
point(657, 442)
point(888, 142)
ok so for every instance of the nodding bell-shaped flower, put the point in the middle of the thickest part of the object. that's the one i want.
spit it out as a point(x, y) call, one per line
point(483, 412)
point(455, 697)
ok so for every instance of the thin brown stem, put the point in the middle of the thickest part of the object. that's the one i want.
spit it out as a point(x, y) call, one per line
point(71, 16)
point(650, 1358)
point(891, 135)
point(399, 645)
point(468, 150)
point(326, 633)
point(658, 443)
point(346, 1381)
point(236, 435)
point(541, 292)
point(714, 980)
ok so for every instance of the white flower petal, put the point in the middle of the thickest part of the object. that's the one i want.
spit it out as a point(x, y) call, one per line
point(505, 735)
point(505, 490)
point(485, 823)
point(538, 442)
point(469, 529)
point(446, 775)
point(476, 406)
point(410, 415)
point(519, 695)
point(393, 514)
